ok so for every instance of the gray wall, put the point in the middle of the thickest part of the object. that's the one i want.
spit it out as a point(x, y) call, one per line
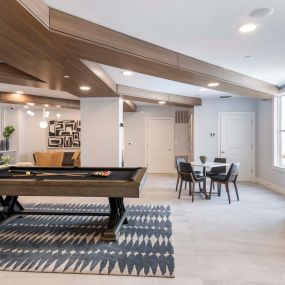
point(264, 146)
point(206, 121)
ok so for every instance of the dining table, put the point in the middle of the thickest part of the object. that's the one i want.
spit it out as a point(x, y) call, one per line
point(207, 166)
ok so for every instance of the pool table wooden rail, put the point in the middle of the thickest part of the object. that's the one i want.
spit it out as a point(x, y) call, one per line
point(74, 188)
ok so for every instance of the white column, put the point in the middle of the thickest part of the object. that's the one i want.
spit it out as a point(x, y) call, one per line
point(101, 133)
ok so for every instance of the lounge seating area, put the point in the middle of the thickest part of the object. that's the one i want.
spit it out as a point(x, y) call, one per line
point(57, 158)
point(142, 139)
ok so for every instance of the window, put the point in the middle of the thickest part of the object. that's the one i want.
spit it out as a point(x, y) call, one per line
point(279, 127)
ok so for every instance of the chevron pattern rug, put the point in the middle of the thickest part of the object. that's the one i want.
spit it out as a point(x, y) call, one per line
point(71, 244)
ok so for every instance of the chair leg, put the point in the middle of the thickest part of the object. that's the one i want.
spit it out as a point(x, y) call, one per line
point(205, 190)
point(200, 187)
point(180, 188)
point(185, 186)
point(177, 182)
point(193, 191)
point(235, 184)
point(189, 188)
point(228, 191)
point(211, 186)
point(219, 189)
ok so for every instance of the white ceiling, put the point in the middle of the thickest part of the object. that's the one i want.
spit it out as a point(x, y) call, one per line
point(204, 29)
point(37, 91)
point(152, 83)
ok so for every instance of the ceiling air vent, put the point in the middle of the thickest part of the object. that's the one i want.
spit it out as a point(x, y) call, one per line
point(182, 116)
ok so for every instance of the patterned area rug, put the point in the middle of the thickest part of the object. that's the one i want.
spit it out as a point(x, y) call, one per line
point(71, 244)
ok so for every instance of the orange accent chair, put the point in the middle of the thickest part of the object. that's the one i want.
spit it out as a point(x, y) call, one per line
point(49, 159)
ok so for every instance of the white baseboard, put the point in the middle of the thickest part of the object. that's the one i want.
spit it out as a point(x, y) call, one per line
point(271, 186)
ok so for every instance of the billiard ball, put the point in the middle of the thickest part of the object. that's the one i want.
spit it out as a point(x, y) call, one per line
point(28, 173)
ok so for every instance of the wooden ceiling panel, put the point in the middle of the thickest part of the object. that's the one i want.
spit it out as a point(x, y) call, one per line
point(27, 45)
point(11, 75)
point(121, 59)
point(47, 44)
point(129, 106)
point(96, 43)
point(12, 98)
point(85, 30)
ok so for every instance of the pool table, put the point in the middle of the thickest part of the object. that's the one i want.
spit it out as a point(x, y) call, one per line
point(70, 182)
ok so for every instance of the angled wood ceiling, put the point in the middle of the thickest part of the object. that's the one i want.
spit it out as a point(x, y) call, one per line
point(46, 44)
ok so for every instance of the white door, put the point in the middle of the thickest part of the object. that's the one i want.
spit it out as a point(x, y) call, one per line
point(237, 141)
point(159, 145)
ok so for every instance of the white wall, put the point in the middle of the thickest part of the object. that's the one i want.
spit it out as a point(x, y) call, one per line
point(134, 150)
point(206, 121)
point(29, 137)
point(101, 134)
point(264, 147)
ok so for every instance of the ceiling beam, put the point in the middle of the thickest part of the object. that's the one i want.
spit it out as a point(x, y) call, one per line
point(129, 106)
point(27, 45)
point(98, 70)
point(96, 43)
point(142, 95)
point(11, 75)
point(12, 98)
point(23, 99)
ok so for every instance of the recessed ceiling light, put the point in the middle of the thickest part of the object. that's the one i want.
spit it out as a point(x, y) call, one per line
point(127, 73)
point(58, 115)
point(262, 12)
point(213, 84)
point(46, 105)
point(203, 89)
point(66, 76)
point(161, 102)
point(29, 112)
point(19, 92)
point(57, 106)
point(247, 28)
point(31, 104)
point(84, 88)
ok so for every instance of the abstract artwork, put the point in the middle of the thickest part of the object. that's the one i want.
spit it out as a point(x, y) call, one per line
point(64, 134)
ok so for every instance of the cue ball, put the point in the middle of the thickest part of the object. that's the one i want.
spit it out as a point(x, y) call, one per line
point(28, 173)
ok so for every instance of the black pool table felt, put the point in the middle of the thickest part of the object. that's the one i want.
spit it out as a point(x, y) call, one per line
point(126, 174)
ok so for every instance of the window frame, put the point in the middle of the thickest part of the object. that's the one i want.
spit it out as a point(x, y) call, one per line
point(277, 113)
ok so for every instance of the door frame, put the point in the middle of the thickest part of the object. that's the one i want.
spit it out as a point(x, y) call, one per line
point(252, 115)
point(147, 119)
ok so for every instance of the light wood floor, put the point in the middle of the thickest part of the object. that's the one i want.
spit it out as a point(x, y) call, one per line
point(215, 243)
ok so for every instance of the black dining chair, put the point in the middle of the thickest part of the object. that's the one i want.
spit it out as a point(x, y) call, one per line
point(188, 174)
point(179, 159)
point(225, 179)
point(217, 170)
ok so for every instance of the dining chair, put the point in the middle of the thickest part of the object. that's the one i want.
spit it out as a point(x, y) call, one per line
point(225, 179)
point(217, 170)
point(188, 174)
point(179, 159)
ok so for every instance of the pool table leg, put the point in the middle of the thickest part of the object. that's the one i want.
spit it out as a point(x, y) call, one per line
point(117, 218)
point(9, 207)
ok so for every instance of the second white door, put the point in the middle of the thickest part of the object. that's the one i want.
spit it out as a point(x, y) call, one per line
point(159, 145)
point(237, 141)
